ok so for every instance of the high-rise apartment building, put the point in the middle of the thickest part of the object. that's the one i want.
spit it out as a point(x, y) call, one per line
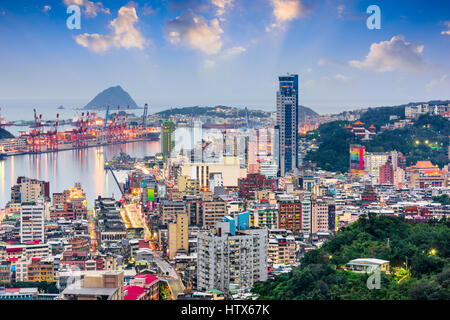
point(32, 220)
point(373, 162)
point(386, 173)
point(231, 259)
point(290, 216)
point(178, 235)
point(287, 123)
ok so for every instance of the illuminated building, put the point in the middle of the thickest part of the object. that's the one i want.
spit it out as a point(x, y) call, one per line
point(373, 162)
point(357, 153)
point(425, 175)
point(168, 138)
point(287, 123)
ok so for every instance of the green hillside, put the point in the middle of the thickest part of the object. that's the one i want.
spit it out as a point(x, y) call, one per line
point(418, 255)
point(427, 139)
point(5, 134)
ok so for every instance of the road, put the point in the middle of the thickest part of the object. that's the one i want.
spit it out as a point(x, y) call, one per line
point(173, 280)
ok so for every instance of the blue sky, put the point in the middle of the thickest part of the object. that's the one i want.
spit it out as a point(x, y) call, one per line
point(210, 52)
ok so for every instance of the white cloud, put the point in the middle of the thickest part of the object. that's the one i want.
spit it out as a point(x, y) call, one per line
point(222, 6)
point(90, 9)
point(285, 11)
point(343, 78)
point(447, 32)
point(225, 55)
point(195, 32)
point(47, 8)
point(340, 10)
point(393, 55)
point(208, 64)
point(233, 51)
point(443, 82)
point(124, 34)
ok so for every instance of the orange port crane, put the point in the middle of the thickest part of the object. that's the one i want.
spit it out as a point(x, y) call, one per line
point(52, 136)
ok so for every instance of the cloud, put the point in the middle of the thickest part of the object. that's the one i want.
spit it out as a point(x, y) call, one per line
point(446, 32)
point(90, 9)
point(222, 6)
point(328, 62)
point(393, 55)
point(46, 8)
point(340, 10)
point(336, 80)
point(343, 78)
point(443, 82)
point(285, 11)
point(148, 10)
point(225, 55)
point(208, 64)
point(124, 34)
point(194, 31)
point(233, 51)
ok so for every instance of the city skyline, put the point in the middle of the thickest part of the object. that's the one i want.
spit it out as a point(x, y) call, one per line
point(208, 49)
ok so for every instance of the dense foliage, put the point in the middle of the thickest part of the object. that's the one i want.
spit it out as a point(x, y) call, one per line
point(380, 116)
point(334, 141)
point(418, 255)
point(444, 199)
point(426, 139)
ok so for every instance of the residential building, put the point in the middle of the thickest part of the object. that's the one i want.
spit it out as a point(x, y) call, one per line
point(178, 235)
point(32, 221)
point(231, 260)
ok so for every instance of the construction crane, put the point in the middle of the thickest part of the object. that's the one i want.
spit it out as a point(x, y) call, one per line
point(52, 136)
point(35, 134)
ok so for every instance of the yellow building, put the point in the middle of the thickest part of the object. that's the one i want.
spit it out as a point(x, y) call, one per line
point(41, 271)
point(179, 235)
point(188, 185)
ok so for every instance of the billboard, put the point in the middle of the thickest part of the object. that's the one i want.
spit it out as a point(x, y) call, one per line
point(357, 159)
point(150, 195)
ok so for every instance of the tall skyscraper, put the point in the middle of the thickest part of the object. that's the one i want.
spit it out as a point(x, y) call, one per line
point(287, 123)
point(168, 138)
